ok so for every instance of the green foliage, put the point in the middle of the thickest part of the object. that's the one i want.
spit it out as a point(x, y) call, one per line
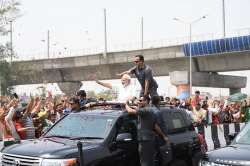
point(4, 51)
point(91, 94)
point(9, 11)
point(106, 94)
point(5, 79)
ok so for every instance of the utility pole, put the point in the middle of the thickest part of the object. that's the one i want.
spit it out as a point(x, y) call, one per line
point(223, 19)
point(190, 24)
point(105, 35)
point(48, 46)
point(190, 60)
point(142, 33)
point(11, 41)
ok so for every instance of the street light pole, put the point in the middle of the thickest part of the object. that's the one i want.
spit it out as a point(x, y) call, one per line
point(105, 34)
point(223, 18)
point(48, 46)
point(190, 59)
point(190, 47)
point(142, 33)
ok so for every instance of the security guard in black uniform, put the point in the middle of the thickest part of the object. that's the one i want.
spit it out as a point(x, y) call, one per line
point(146, 129)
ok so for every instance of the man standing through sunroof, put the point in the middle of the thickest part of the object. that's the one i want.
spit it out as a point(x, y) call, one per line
point(144, 74)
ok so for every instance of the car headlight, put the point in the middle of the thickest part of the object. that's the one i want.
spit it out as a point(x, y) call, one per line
point(224, 163)
point(1, 159)
point(58, 162)
point(206, 163)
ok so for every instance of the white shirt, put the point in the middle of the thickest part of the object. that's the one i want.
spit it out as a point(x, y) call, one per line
point(199, 115)
point(10, 123)
point(125, 92)
point(210, 113)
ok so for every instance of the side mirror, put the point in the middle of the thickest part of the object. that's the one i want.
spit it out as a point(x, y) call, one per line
point(232, 136)
point(123, 138)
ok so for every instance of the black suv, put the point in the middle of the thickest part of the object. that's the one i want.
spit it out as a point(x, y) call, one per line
point(109, 138)
point(236, 154)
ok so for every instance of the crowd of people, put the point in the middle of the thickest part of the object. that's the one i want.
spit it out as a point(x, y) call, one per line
point(213, 111)
point(28, 120)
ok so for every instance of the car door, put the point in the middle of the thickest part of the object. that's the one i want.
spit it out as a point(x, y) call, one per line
point(125, 153)
point(177, 131)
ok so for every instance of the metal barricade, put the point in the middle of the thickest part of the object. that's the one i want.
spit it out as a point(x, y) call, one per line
point(217, 136)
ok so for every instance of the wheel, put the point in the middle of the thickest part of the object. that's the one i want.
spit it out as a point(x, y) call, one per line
point(178, 163)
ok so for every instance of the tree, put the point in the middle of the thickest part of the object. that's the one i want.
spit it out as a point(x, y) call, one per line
point(105, 94)
point(9, 11)
point(5, 77)
point(91, 94)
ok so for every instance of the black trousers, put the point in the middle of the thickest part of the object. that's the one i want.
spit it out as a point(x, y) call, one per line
point(147, 153)
point(215, 138)
point(152, 92)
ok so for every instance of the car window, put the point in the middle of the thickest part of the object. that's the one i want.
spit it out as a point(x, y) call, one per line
point(128, 125)
point(244, 136)
point(175, 121)
point(83, 125)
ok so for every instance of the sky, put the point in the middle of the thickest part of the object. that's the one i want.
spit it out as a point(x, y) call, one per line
point(78, 25)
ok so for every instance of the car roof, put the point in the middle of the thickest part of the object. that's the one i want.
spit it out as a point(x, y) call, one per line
point(116, 109)
point(102, 112)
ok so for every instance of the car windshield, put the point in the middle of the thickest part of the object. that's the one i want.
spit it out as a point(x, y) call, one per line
point(244, 136)
point(80, 125)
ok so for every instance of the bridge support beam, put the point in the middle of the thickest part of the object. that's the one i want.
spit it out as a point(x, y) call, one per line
point(204, 79)
point(69, 88)
point(234, 90)
point(181, 80)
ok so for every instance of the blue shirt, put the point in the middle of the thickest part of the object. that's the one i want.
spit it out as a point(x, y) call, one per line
point(66, 111)
point(82, 102)
point(143, 74)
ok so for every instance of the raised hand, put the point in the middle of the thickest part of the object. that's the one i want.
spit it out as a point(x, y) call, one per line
point(93, 77)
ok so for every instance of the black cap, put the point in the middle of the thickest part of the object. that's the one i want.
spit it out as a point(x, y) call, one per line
point(197, 92)
point(81, 93)
point(19, 112)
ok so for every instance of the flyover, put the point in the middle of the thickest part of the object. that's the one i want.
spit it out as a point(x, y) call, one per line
point(69, 71)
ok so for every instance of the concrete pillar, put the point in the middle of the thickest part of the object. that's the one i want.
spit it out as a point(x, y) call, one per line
point(181, 80)
point(70, 88)
point(205, 79)
point(234, 90)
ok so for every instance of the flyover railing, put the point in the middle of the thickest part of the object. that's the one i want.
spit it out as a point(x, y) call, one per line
point(131, 46)
point(218, 46)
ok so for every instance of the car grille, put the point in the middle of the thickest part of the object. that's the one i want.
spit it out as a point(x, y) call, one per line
point(216, 164)
point(16, 160)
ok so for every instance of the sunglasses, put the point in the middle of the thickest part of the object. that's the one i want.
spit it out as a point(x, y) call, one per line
point(136, 61)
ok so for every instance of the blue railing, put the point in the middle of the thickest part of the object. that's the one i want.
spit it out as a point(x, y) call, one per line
point(218, 46)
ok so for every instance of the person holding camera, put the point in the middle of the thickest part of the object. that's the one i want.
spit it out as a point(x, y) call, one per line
point(146, 130)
